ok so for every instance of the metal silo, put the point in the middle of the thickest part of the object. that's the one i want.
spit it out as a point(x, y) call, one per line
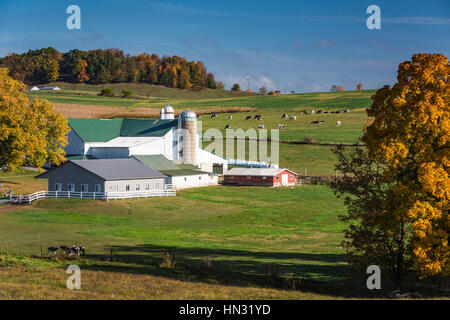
point(187, 121)
point(167, 113)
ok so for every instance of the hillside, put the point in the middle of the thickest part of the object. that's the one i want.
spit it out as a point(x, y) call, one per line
point(149, 91)
point(300, 149)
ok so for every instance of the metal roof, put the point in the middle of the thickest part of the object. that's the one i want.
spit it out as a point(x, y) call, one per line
point(118, 169)
point(79, 157)
point(156, 161)
point(188, 114)
point(103, 130)
point(112, 169)
point(255, 172)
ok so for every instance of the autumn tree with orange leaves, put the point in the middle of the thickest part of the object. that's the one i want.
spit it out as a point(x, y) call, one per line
point(31, 132)
point(408, 153)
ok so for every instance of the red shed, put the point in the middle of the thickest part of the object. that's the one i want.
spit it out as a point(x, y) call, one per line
point(260, 177)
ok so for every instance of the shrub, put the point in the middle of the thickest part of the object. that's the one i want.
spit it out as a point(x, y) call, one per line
point(127, 93)
point(168, 260)
point(107, 92)
point(236, 87)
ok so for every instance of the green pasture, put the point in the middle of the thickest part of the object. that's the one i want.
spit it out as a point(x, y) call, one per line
point(296, 229)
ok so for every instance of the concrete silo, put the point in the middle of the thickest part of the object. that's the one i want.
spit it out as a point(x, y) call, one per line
point(167, 113)
point(187, 122)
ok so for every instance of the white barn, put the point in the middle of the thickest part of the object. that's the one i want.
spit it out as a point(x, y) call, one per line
point(175, 139)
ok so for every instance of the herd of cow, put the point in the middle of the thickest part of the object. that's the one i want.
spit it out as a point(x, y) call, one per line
point(285, 116)
point(67, 251)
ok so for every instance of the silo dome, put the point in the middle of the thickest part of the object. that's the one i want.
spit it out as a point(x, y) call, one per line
point(167, 112)
point(188, 114)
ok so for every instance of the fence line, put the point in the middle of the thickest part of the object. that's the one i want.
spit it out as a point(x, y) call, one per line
point(92, 195)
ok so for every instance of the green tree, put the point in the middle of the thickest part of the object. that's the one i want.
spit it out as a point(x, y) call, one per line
point(236, 87)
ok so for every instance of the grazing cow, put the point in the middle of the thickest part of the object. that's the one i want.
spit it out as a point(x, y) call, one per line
point(338, 111)
point(230, 117)
point(325, 112)
point(317, 121)
point(77, 250)
point(227, 126)
point(338, 123)
point(284, 116)
point(346, 110)
point(214, 115)
point(292, 118)
point(312, 112)
point(261, 126)
point(248, 118)
point(52, 250)
point(199, 116)
point(65, 249)
point(280, 126)
point(320, 112)
point(258, 116)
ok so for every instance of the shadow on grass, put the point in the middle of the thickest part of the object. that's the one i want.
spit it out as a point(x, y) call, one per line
point(316, 273)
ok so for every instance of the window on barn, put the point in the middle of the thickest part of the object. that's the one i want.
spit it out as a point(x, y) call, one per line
point(116, 187)
point(264, 178)
point(98, 188)
point(58, 187)
point(199, 178)
point(248, 177)
point(138, 187)
point(71, 187)
point(84, 188)
point(277, 178)
point(147, 186)
point(291, 177)
point(185, 179)
point(127, 187)
point(157, 186)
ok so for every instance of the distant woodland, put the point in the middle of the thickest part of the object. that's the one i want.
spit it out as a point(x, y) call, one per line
point(106, 66)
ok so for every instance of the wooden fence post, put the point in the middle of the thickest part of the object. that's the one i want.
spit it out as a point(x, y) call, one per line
point(6, 242)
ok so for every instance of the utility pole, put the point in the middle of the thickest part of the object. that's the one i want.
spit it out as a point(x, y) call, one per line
point(248, 83)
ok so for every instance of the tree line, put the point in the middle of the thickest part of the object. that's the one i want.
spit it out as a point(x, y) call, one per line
point(106, 66)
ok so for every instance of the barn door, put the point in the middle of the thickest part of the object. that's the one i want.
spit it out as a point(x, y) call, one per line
point(284, 179)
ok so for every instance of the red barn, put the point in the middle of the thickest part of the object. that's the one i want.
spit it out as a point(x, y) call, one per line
point(260, 177)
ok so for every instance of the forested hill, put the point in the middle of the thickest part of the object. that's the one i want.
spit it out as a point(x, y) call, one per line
point(106, 66)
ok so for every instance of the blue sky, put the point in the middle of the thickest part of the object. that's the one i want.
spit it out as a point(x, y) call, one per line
point(287, 45)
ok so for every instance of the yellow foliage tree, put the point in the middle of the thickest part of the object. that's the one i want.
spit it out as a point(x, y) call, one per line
point(410, 135)
point(31, 133)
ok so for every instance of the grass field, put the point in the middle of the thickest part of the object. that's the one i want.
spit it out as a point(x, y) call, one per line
point(244, 231)
point(313, 158)
point(227, 242)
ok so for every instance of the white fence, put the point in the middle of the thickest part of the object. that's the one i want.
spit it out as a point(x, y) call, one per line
point(92, 195)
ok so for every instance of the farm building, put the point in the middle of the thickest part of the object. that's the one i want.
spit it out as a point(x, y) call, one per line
point(103, 175)
point(180, 176)
point(53, 88)
point(175, 139)
point(260, 177)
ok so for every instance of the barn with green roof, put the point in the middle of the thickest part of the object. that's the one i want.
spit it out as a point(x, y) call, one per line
point(175, 139)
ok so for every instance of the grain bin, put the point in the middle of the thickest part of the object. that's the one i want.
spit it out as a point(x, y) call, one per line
point(187, 121)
